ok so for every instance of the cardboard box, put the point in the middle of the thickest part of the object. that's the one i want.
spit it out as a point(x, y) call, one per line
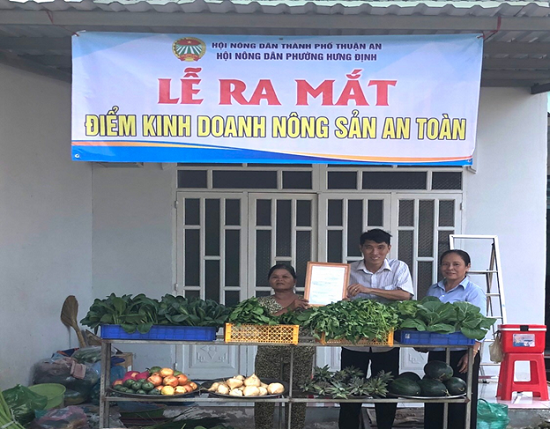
point(128, 360)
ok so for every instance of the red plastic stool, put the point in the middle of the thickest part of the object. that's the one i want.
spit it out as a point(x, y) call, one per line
point(537, 384)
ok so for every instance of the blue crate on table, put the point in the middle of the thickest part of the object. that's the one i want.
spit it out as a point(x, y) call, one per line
point(426, 338)
point(161, 332)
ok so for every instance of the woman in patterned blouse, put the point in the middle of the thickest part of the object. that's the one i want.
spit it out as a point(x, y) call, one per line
point(274, 361)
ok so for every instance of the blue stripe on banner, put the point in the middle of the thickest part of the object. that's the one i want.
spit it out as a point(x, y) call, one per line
point(238, 156)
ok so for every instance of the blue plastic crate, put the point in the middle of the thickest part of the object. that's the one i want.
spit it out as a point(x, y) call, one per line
point(161, 332)
point(426, 338)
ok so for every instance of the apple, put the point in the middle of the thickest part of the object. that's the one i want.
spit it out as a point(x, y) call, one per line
point(182, 379)
point(170, 381)
point(165, 372)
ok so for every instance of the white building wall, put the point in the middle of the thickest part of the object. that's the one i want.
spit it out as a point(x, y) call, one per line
point(507, 195)
point(132, 240)
point(45, 222)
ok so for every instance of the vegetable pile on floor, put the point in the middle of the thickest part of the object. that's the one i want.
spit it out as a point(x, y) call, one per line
point(141, 313)
point(347, 383)
point(430, 314)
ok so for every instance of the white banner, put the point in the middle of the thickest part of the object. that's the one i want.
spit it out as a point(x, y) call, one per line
point(291, 99)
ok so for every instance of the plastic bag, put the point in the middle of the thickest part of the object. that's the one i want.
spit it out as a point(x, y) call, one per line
point(495, 349)
point(62, 371)
point(23, 401)
point(491, 415)
point(62, 418)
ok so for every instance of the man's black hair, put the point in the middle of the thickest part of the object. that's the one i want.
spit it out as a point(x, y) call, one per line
point(377, 235)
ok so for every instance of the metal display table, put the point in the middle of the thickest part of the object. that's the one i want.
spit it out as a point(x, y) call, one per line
point(105, 400)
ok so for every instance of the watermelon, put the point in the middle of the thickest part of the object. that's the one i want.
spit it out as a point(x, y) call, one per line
point(456, 386)
point(430, 387)
point(404, 386)
point(438, 370)
point(410, 375)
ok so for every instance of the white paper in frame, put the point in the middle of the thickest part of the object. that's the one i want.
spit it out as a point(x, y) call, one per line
point(326, 282)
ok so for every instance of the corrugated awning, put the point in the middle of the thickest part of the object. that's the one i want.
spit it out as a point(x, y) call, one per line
point(36, 35)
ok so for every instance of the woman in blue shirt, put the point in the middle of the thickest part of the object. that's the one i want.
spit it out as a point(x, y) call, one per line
point(456, 286)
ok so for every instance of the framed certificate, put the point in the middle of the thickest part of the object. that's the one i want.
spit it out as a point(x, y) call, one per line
point(326, 282)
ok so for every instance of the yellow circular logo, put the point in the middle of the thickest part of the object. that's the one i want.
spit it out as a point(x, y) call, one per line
point(189, 49)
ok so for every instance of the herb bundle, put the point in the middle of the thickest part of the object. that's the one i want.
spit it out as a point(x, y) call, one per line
point(353, 320)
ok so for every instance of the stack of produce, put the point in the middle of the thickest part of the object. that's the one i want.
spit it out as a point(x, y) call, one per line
point(352, 321)
point(432, 315)
point(141, 313)
point(155, 381)
point(240, 385)
point(347, 383)
point(438, 381)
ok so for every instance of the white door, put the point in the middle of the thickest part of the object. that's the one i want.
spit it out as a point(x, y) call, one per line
point(212, 264)
point(343, 217)
point(421, 226)
point(226, 244)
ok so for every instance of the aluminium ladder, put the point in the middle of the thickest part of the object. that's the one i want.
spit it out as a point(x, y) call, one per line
point(496, 307)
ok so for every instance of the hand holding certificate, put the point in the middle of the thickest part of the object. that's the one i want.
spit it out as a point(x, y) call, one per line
point(326, 282)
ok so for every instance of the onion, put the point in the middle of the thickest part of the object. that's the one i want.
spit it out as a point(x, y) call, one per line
point(251, 391)
point(263, 391)
point(253, 380)
point(214, 387)
point(223, 389)
point(236, 392)
point(234, 382)
point(275, 388)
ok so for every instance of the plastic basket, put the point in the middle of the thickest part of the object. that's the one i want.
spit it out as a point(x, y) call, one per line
point(275, 334)
point(53, 391)
point(361, 342)
point(426, 338)
point(161, 332)
point(523, 338)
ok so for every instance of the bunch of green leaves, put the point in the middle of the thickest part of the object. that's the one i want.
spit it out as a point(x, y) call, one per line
point(181, 311)
point(430, 314)
point(251, 312)
point(132, 313)
point(295, 317)
point(353, 320)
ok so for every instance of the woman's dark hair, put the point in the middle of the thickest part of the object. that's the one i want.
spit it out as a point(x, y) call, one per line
point(464, 255)
point(289, 268)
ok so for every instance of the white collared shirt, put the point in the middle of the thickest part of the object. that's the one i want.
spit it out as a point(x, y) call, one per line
point(393, 275)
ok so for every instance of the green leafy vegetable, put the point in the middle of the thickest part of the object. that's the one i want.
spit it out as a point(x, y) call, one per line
point(141, 313)
point(353, 320)
point(430, 314)
point(250, 311)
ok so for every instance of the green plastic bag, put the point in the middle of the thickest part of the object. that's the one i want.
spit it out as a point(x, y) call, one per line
point(491, 415)
point(22, 402)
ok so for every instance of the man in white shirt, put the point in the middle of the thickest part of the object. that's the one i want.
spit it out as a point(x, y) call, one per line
point(384, 280)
